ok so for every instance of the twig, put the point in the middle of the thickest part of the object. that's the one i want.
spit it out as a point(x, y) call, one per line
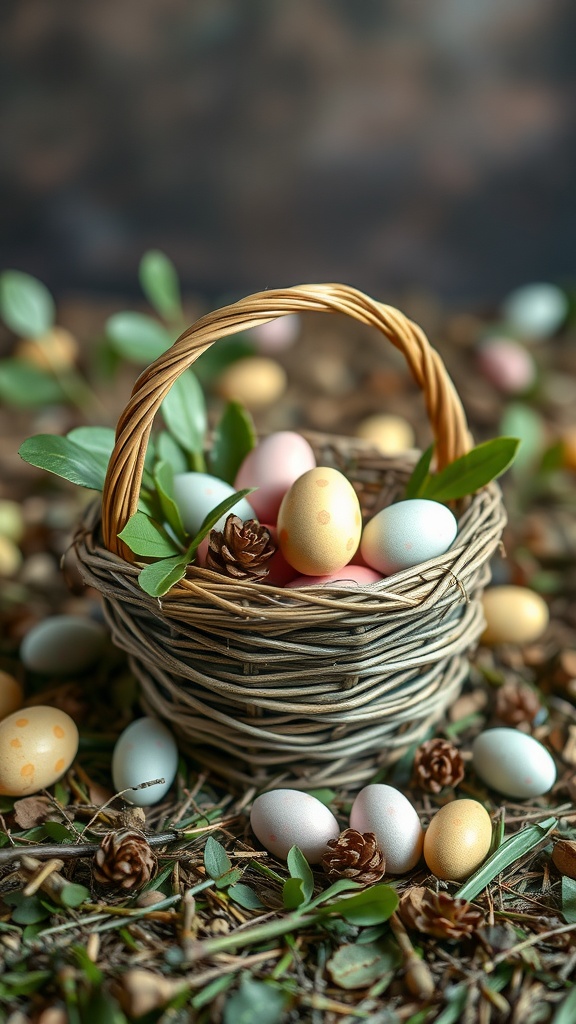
point(67, 851)
point(419, 979)
point(532, 941)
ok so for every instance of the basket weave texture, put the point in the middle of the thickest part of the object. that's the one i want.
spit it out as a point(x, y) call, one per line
point(314, 686)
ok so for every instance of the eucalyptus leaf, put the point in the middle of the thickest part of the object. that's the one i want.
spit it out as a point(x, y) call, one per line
point(72, 894)
point(293, 893)
point(472, 471)
point(358, 966)
point(371, 906)
point(245, 896)
point(299, 868)
point(230, 878)
point(420, 475)
point(168, 450)
point(137, 337)
point(159, 282)
point(164, 480)
point(216, 860)
point(26, 305)
point(63, 457)
point(157, 578)
point(255, 1002)
point(511, 850)
point(234, 437)
point(146, 537)
point(184, 412)
point(569, 899)
point(94, 439)
point(27, 386)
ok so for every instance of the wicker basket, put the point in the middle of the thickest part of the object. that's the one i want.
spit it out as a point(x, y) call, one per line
point(309, 687)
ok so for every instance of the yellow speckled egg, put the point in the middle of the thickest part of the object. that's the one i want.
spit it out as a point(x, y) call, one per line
point(458, 839)
point(37, 745)
point(11, 696)
point(514, 615)
point(255, 381)
point(319, 522)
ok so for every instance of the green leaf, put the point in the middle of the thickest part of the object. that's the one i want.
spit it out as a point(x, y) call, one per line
point(234, 437)
point(159, 282)
point(299, 868)
point(26, 305)
point(25, 983)
point(168, 450)
point(99, 440)
point(211, 363)
point(146, 537)
point(245, 896)
point(420, 475)
point(359, 966)
point(371, 906)
point(566, 1011)
point(526, 424)
point(207, 994)
point(137, 337)
point(184, 412)
point(255, 1002)
point(72, 895)
point(164, 480)
point(26, 386)
point(472, 471)
point(456, 997)
point(230, 878)
point(293, 893)
point(324, 795)
point(63, 457)
point(568, 899)
point(515, 847)
point(27, 909)
point(157, 578)
point(216, 860)
point(212, 518)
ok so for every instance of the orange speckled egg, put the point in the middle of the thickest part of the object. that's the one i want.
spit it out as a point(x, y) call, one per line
point(11, 695)
point(37, 745)
point(458, 839)
point(319, 522)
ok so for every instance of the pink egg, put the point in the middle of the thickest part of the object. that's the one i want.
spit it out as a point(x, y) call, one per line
point(280, 572)
point(273, 466)
point(277, 335)
point(350, 576)
point(507, 365)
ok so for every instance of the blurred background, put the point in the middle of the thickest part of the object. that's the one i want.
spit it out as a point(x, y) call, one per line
point(391, 144)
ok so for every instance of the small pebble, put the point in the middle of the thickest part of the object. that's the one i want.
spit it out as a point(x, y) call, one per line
point(63, 644)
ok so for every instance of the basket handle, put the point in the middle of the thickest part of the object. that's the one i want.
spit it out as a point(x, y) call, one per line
point(123, 479)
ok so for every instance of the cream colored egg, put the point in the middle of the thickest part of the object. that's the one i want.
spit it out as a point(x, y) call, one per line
point(57, 348)
point(11, 520)
point(10, 557)
point(283, 818)
point(387, 813)
point(255, 381)
point(514, 615)
point(391, 434)
point(319, 522)
point(11, 695)
point(37, 745)
point(458, 839)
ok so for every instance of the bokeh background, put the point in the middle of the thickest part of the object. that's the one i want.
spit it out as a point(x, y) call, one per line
point(391, 144)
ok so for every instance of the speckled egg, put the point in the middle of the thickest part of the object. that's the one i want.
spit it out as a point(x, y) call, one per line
point(406, 534)
point(387, 813)
point(11, 696)
point(145, 751)
point(458, 839)
point(514, 615)
point(63, 644)
point(349, 576)
point(272, 467)
point(513, 763)
point(536, 310)
point(319, 522)
point(196, 494)
point(391, 434)
point(283, 818)
point(37, 745)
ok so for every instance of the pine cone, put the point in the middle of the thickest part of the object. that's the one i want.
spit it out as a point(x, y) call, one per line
point(124, 860)
point(241, 550)
point(437, 764)
point(516, 704)
point(438, 914)
point(354, 855)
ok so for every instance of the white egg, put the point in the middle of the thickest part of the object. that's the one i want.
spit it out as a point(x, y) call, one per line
point(387, 813)
point(406, 534)
point(63, 644)
point(197, 494)
point(283, 818)
point(146, 750)
point(513, 763)
point(536, 310)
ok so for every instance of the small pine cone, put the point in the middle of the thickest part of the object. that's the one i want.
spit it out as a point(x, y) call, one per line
point(516, 704)
point(354, 855)
point(438, 914)
point(124, 860)
point(438, 763)
point(241, 550)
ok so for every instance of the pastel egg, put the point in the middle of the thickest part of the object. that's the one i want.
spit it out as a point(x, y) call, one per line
point(63, 644)
point(507, 365)
point(57, 348)
point(319, 522)
point(196, 494)
point(10, 557)
point(145, 751)
point(406, 534)
point(11, 520)
point(273, 466)
point(391, 434)
point(513, 763)
point(37, 745)
point(514, 615)
point(458, 839)
point(349, 576)
point(11, 696)
point(536, 310)
point(277, 335)
point(280, 572)
point(255, 381)
point(283, 818)
point(387, 813)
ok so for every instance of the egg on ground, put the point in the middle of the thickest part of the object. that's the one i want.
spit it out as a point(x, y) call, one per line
point(63, 644)
point(513, 763)
point(514, 615)
point(458, 839)
point(387, 813)
point(145, 751)
point(283, 818)
point(37, 745)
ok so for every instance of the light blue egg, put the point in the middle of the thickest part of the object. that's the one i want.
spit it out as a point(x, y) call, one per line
point(145, 751)
point(197, 494)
